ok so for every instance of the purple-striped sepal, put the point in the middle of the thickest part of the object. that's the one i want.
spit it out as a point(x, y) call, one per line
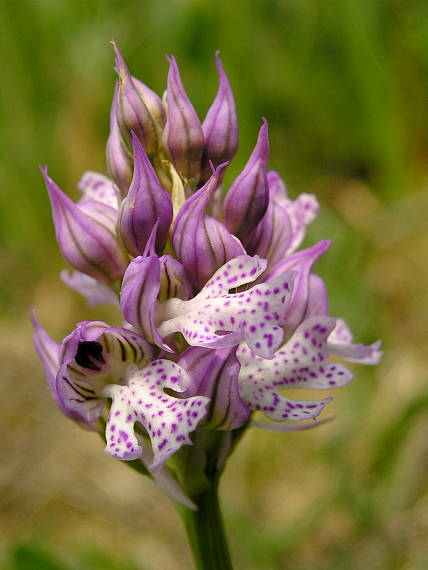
point(214, 374)
point(220, 126)
point(86, 231)
point(146, 204)
point(183, 137)
point(202, 243)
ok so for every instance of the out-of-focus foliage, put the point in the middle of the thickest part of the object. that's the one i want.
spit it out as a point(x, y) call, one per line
point(344, 86)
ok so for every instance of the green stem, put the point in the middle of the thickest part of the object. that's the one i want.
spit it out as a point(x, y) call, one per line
point(205, 531)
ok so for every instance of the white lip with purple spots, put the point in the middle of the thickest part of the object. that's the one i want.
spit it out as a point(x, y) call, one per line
point(216, 318)
point(300, 363)
point(168, 420)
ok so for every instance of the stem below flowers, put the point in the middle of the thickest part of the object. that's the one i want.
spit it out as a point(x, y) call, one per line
point(205, 531)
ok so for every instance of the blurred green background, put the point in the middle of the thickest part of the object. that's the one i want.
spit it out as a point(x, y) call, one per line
point(344, 85)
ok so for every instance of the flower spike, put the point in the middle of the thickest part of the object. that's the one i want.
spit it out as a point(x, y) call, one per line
point(220, 314)
point(147, 201)
point(183, 137)
point(220, 126)
point(247, 199)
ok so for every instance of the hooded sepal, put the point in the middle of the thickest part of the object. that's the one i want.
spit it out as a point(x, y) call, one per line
point(48, 351)
point(214, 374)
point(300, 363)
point(220, 126)
point(247, 199)
point(167, 419)
point(91, 357)
point(183, 137)
point(138, 297)
point(146, 203)
point(85, 235)
point(50, 355)
point(201, 242)
point(216, 318)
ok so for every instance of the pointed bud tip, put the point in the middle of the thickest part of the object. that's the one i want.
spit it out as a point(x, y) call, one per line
point(44, 170)
point(219, 65)
point(34, 320)
point(324, 244)
point(53, 189)
point(120, 65)
point(150, 248)
point(171, 59)
point(215, 170)
point(264, 129)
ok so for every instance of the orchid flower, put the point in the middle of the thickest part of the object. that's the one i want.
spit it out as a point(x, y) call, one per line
point(214, 318)
point(97, 362)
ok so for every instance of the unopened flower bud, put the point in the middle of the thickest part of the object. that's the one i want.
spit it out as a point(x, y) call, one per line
point(133, 111)
point(220, 126)
point(119, 160)
point(247, 199)
point(147, 201)
point(138, 297)
point(85, 235)
point(152, 101)
point(202, 243)
point(183, 137)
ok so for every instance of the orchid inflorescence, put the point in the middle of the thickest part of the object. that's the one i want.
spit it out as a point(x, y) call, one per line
point(220, 312)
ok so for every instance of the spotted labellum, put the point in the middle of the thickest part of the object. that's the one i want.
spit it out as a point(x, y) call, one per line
point(218, 312)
